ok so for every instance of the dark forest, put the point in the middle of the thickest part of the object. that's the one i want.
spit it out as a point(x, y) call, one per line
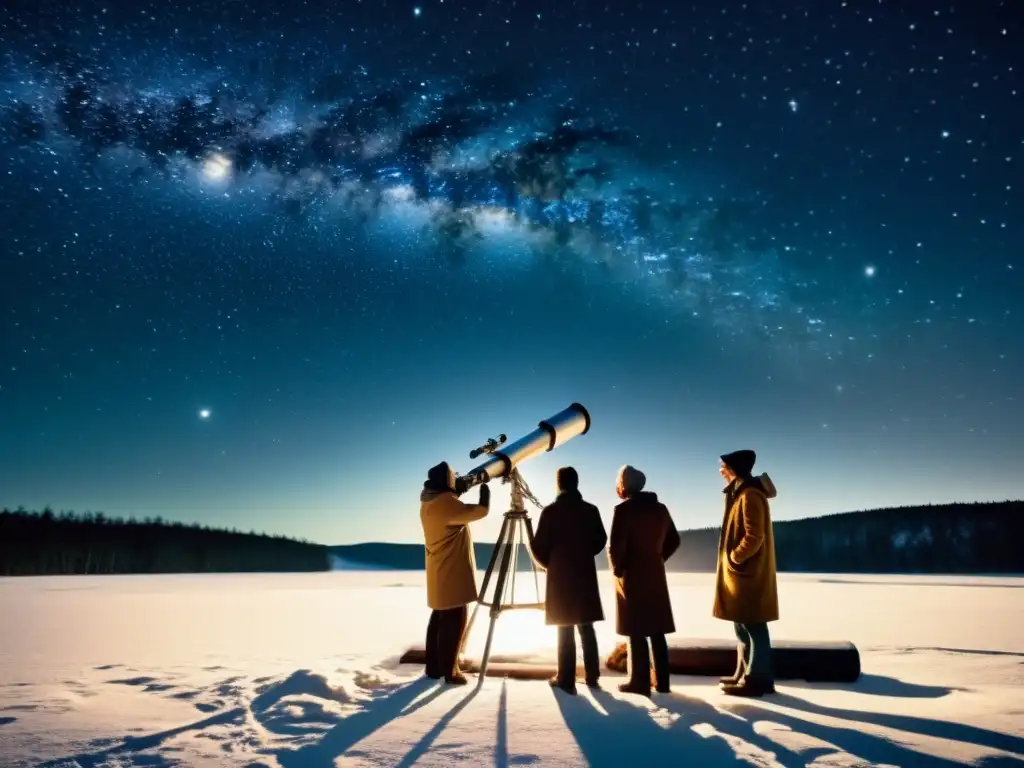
point(47, 543)
point(972, 538)
point(975, 538)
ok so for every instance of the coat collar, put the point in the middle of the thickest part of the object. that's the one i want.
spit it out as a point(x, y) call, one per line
point(641, 499)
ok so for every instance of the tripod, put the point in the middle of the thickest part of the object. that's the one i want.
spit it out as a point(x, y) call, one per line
point(514, 528)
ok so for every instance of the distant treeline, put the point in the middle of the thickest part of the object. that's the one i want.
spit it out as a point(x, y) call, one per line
point(45, 543)
point(949, 538)
point(952, 538)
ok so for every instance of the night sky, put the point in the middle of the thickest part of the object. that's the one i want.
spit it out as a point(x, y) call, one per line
point(264, 263)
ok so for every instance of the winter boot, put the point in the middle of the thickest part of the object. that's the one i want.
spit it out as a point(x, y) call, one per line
point(741, 666)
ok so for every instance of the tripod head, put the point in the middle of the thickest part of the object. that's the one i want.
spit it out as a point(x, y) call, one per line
point(519, 494)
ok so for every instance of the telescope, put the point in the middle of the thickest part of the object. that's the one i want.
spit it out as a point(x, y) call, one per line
point(550, 433)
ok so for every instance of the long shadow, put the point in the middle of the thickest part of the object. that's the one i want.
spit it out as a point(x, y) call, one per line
point(942, 729)
point(131, 744)
point(422, 701)
point(629, 732)
point(423, 745)
point(355, 728)
point(881, 685)
point(738, 720)
point(628, 735)
point(698, 712)
point(852, 740)
point(501, 738)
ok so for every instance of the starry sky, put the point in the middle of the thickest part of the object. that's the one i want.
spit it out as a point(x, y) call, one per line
point(263, 264)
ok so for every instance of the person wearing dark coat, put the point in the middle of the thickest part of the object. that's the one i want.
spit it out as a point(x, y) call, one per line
point(643, 537)
point(568, 537)
point(746, 592)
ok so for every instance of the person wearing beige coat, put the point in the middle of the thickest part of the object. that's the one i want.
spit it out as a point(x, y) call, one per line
point(450, 566)
point(746, 590)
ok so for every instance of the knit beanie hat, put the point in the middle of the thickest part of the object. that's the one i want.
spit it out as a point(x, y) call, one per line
point(631, 480)
point(740, 462)
point(440, 476)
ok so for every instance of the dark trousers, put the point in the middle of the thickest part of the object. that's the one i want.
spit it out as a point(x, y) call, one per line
point(444, 636)
point(640, 661)
point(567, 653)
point(755, 650)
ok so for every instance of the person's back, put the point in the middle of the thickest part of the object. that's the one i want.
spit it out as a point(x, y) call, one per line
point(568, 538)
point(643, 537)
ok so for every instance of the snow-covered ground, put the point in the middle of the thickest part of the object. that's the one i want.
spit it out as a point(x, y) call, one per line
point(301, 670)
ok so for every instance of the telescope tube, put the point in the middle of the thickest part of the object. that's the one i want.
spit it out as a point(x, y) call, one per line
point(549, 434)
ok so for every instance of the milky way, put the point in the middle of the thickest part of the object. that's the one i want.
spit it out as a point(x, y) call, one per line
point(485, 156)
point(361, 238)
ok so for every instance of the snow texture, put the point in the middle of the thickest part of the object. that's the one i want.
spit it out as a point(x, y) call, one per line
point(300, 670)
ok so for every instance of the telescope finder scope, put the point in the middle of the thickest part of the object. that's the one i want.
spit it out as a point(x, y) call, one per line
point(489, 446)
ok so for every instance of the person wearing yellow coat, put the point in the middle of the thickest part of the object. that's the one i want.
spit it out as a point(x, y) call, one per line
point(746, 590)
point(451, 568)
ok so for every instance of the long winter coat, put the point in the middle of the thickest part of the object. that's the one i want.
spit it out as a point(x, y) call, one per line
point(745, 583)
point(451, 562)
point(568, 537)
point(643, 537)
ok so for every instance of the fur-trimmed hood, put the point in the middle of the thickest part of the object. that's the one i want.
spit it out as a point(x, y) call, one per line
point(765, 484)
point(762, 483)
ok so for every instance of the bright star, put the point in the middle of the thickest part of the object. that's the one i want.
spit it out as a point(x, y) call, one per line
point(793, 105)
point(204, 413)
point(869, 270)
point(216, 167)
point(417, 11)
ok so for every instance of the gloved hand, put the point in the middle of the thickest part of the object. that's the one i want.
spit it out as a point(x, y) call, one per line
point(460, 486)
point(485, 495)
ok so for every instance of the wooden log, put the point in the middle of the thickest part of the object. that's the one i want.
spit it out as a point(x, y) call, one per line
point(834, 662)
point(837, 662)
